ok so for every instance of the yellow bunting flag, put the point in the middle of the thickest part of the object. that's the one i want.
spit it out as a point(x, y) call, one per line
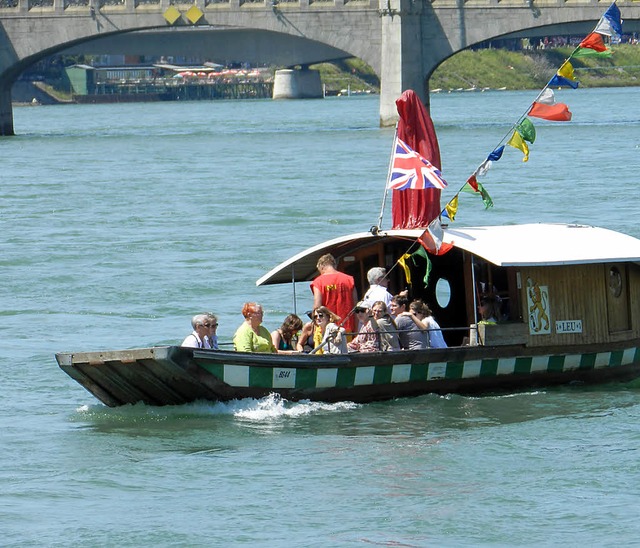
point(402, 261)
point(566, 71)
point(452, 208)
point(517, 141)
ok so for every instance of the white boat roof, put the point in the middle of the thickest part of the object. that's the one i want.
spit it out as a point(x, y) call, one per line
point(540, 244)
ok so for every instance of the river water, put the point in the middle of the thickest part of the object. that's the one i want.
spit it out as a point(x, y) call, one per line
point(118, 222)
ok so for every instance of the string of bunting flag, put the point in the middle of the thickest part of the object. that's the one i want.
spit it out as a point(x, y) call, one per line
point(409, 170)
point(544, 106)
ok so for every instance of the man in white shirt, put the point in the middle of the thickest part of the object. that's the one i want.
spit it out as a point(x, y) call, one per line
point(378, 282)
point(201, 330)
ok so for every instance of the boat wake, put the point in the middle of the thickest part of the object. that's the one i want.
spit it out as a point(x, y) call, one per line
point(273, 406)
point(268, 408)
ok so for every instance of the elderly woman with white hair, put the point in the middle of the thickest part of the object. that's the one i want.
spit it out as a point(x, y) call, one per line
point(378, 283)
point(199, 337)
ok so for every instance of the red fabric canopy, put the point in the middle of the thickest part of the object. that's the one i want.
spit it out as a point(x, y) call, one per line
point(416, 208)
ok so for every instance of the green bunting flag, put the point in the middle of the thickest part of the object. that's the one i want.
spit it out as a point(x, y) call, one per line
point(486, 199)
point(526, 130)
point(422, 252)
point(545, 105)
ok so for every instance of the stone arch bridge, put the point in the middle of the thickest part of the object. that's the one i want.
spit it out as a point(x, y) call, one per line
point(403, 40)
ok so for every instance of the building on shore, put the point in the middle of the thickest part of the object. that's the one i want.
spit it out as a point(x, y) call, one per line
point(164, 82)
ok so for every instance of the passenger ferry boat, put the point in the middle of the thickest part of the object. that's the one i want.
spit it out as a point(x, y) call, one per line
point(570, 313)
point(572, 293)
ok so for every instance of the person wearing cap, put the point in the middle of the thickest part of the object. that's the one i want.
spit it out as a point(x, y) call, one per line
point(378, 282)
point(335, 290)
point(367, 339)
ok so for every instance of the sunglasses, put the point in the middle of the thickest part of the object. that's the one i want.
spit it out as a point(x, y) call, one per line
point(210, 324)
point(318, 316)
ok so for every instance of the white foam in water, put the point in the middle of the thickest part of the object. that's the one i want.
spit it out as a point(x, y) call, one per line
point(267, 408)
point(273, 406)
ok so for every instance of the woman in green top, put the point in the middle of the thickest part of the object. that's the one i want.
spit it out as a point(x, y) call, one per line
point(252, 336)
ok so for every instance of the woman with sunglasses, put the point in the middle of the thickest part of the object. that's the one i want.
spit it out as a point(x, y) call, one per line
point(328, 338)
point(367, 339)
point(211, 340)
point(252, 336)
point(198, 337)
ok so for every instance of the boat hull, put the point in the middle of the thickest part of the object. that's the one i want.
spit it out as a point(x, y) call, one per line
point(173, 375)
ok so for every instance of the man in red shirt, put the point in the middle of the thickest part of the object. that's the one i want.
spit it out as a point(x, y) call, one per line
point(335, 290)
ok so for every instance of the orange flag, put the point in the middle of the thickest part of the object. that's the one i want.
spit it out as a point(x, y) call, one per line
point(593, 41)
point(558, 112)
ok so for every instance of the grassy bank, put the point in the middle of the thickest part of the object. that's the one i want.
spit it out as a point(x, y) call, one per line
point(351, 74)
point(533, 69)
point(495, 68)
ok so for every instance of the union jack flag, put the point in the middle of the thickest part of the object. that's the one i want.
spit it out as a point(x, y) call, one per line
point(410, 170)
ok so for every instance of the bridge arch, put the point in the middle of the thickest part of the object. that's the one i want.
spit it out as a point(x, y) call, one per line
point(570, 28)
point(402, 40)
point(256, 46)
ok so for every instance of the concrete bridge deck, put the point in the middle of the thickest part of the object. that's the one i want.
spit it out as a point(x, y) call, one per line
point(402, 40)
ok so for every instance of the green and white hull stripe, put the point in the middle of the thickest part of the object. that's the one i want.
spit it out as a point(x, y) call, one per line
point(245, 376)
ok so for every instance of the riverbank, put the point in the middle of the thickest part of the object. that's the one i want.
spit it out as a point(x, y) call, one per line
point(503, 69)
point(468, 70)
point(532, 69)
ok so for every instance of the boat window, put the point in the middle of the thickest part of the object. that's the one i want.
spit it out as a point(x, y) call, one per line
point(443, 292)
point(615, 281)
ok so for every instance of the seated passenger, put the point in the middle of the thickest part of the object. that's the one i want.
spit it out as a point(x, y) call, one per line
point(430, 332)
point(211, 340)
point(410, 327)
point(305, 340)
point(285, 338)
point(436, 340)
point(367, 339)
point(327, 336)
point(252, 336)
point(383, 323)
point(201, 330)
point(489, 309)
point(399, 304)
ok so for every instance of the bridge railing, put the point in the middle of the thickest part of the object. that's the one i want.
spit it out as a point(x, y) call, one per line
point(25, 6)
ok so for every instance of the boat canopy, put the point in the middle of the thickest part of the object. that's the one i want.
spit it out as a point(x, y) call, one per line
point(506, 245)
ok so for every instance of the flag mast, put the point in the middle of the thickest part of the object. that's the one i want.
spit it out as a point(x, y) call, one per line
point(386, 184)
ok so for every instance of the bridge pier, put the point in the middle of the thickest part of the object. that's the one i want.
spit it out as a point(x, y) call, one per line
point(297, 84)
point(401, 59)
point(6, 112)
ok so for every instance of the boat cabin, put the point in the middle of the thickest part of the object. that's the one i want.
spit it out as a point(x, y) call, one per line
point(555, 284)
